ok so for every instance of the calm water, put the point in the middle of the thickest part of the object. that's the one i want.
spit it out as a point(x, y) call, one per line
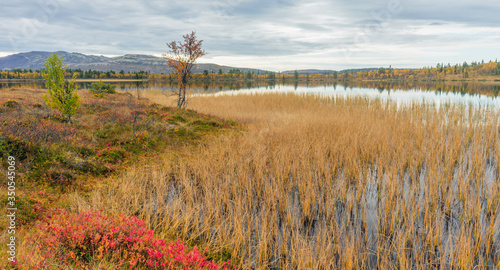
point(400, 96)
point(403, 92)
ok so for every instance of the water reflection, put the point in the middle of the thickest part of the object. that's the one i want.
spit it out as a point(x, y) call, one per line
point(437, 97)
point(440, 91)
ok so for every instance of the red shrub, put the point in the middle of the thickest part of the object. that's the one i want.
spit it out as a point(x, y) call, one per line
point(77, 239)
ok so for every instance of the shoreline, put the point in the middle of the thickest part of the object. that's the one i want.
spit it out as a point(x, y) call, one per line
point(479, 80)
point(77, 80)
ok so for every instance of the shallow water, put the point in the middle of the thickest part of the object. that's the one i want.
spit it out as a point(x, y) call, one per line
point(399, 96)
point(439, 93)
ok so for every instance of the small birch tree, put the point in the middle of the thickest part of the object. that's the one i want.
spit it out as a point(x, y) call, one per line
point(62, 94)
point(182, 58)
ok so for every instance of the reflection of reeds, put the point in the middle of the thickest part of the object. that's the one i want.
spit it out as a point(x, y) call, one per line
point(328, 183)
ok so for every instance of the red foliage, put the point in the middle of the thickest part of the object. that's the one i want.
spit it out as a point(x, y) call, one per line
point(77, 239)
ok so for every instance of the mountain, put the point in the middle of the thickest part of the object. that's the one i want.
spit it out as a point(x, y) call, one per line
point(127, 63)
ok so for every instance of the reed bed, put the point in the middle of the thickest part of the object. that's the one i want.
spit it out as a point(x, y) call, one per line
point(328, 183)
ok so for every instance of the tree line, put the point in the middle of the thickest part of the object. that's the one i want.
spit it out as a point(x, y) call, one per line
point(440, 71)
point(74, 73)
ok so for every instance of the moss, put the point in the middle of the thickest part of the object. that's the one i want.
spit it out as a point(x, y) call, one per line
point(183, 134)
point(111, 155)
point(178, 118)
point(19, 148)
point(205, 123)
point(231, 123)
point(11, 104)
point(83, 151)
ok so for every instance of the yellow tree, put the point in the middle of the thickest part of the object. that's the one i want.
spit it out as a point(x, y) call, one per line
point(182, 59)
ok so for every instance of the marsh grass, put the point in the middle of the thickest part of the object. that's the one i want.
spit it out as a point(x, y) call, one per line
point(327, 183)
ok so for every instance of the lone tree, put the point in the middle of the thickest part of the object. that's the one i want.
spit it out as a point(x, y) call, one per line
point(182, 58)
point(62, 95)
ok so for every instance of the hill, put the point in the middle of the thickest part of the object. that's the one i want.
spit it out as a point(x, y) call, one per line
point(127, 63)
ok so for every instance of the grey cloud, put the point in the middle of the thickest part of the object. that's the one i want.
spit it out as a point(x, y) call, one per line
point(239, 27)
point(457, 11)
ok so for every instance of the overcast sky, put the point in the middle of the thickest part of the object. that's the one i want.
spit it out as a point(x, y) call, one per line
point(274, 35)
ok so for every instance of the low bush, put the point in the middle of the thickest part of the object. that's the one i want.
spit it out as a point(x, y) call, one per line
point(81, 240)
point(100, 88)
point(11, 104)
point(17, 147)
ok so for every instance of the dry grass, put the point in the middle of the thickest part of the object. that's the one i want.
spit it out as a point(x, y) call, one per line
point(324, 183)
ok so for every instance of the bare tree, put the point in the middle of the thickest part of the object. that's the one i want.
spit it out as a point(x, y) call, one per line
point(182, 58)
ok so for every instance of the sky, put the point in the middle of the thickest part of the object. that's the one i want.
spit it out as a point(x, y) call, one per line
point(273, 35)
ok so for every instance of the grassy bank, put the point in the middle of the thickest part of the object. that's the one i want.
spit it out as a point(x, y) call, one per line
point(108, 135)
point(324, 183)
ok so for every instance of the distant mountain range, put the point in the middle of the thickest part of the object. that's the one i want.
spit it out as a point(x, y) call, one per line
point(128, 63)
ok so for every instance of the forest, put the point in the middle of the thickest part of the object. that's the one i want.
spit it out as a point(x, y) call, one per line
point(465, 71)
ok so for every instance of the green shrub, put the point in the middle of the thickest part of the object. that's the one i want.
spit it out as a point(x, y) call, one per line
point(12, 146)
point(100, 88)
point(11, 104)
point(205, 123)
point(178, 118)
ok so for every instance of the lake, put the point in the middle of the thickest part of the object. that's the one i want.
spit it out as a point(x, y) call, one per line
point(397, 95)
point(464, 93)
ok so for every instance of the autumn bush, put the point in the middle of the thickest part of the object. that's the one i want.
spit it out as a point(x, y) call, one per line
point(81, 240)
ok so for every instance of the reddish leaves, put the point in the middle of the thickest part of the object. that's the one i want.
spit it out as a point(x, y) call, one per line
point(80, 239)
point(182, 59)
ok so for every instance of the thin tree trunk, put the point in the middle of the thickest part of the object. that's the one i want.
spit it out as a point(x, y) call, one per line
point(182, 92)
point(179, 99)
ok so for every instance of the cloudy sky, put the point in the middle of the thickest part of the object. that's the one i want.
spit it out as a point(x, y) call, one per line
point(274, 35)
